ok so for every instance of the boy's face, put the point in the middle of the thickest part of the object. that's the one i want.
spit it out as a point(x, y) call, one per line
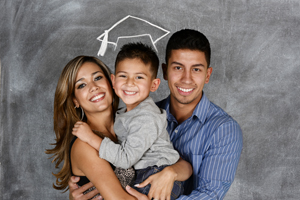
point(133, 82)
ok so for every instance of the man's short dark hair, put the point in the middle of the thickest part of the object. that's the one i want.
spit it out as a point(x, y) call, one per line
point(189, 39)
point(141, 51)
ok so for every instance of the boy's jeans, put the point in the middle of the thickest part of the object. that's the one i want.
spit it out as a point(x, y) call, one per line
point(143, 174)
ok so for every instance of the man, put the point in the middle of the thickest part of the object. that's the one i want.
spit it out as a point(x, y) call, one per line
point(202, 133)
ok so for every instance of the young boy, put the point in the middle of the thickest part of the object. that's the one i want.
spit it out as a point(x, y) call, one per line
point(140, 127)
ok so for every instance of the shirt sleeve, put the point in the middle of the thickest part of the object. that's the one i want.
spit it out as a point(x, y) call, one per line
point(219, 163)
point(143, 133)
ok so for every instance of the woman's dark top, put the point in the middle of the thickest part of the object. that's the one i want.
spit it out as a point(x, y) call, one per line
point(125, 176)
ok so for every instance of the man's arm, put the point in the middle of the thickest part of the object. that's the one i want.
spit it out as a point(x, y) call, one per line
point(76, 193)
point(214, 176)
point(162, 182)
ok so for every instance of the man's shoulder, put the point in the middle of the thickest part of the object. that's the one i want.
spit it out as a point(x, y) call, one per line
point(216, 116)
point(163, 103)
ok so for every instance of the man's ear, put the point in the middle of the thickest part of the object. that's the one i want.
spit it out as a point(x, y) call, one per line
point(165, 71)
point(208, 74)
point(154, 85)
point(112, 77)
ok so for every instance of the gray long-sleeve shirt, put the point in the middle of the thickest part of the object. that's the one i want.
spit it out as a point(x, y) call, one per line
point(143, 138)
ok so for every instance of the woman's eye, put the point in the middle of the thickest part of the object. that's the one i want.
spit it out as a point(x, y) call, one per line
point(81, 86)
point(98, 78)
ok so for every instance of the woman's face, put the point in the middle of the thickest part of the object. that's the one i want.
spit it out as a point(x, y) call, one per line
point(92, 89)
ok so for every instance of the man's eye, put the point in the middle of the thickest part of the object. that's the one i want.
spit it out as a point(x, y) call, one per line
point(197, 70)
point(177, 68)
point(98, 78)
point(81, 86)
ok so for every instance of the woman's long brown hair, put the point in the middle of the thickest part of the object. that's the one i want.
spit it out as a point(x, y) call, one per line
point(65, 116)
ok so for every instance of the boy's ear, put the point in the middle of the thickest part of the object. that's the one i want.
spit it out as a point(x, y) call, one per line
point(165, 71)
point(154, 85)
point(112, 77)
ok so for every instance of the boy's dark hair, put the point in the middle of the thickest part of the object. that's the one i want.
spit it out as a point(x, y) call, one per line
point(141, 51)
point(189, 39)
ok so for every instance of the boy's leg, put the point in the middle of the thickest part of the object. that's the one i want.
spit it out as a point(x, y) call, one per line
point(143, 174)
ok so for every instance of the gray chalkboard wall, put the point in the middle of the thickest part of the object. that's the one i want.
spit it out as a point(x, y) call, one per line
point(256, 49)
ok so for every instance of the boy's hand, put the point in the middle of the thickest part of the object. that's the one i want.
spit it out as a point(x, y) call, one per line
point(83, 131)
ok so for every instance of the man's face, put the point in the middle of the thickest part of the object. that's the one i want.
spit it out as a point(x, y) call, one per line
point(186, 73)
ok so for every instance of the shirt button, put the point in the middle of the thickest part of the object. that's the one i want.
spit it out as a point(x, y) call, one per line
point(176, 131)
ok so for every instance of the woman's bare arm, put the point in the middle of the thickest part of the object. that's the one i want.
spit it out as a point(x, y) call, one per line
point(85, 160)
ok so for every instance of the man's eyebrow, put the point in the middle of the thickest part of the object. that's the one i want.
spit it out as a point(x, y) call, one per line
point(175, 63)
point(195, 65)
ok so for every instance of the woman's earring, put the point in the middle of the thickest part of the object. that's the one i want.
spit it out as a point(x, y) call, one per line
point(82, 112)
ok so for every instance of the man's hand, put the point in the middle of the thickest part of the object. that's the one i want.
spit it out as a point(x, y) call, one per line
point(136, 194)
point(76, 193)
point(161, 184)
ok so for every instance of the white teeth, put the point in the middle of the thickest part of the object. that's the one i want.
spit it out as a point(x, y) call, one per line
point(184, 90)
point(127, 92)
point(97, 97)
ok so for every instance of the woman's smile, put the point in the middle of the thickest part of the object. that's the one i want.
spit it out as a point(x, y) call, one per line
point(97, 97)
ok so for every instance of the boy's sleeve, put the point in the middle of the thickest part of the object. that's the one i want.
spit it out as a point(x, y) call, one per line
point(143, 132)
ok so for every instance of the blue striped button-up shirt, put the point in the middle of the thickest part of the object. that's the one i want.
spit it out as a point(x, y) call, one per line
point(212, 142)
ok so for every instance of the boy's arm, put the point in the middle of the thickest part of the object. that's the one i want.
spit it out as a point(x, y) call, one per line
point(83, 131)
point(143, 133)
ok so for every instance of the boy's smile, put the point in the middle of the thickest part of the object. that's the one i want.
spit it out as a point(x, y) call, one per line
point(133, 81)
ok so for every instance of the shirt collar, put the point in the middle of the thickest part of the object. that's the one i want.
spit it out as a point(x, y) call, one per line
point(200, 111)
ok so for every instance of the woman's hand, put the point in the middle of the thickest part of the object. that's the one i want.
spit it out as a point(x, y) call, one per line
point(136, 194)
point(161, 184)
point(76, 193)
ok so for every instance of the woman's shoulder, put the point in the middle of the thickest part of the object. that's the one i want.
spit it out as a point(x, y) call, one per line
point(81, 148)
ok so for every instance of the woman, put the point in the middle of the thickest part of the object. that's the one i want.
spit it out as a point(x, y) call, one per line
point(84, 92)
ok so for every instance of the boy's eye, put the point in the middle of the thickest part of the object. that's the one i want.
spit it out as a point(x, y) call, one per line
point(139, 77)
point(122, 76)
